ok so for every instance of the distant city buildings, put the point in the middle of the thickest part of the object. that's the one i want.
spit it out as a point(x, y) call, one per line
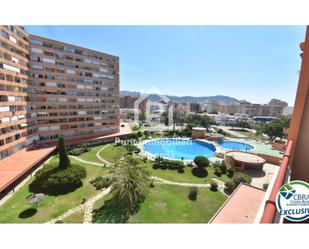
point(127, 102)
point(273, 109)
point(196, 107)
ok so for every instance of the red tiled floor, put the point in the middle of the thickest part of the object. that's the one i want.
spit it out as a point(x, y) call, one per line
point(14, 166)
point(241, 207)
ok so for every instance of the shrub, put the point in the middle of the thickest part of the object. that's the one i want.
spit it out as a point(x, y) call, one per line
point(265, 186)
point(146, 133)
point(218, 171)
point(230, 172)
point(76, 152)
point(241, 177)
point(139, 133)
point(193, 193)
point(201, 161)
point(181, 171)
point(214, 186)
point(152, 185)
point(132, 148)
point(102, 182)
point(223, 167)
point(53, 180)
point(229, 186)
point(79, 151)
point(168, 164)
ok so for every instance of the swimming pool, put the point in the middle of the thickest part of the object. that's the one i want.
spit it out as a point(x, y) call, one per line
point(233, 145)
point(179, 148)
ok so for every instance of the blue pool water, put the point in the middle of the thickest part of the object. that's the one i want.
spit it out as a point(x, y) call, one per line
point(179, 148)
point(233, 145)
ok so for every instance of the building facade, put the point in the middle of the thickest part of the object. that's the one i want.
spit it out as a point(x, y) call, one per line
point(127, 102)
point(63, 90)
point(14, 50)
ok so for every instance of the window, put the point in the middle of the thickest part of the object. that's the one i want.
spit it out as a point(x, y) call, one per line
point(70, 50)
point(37, 50)
point(38, 67)
point(8, 67)
point(4, 34)
point(35, 42)
point(12, 39)
point(60, 56)
point(34, 58)
point(47, 60)
point(48, 45)
point(48, 53)
point(69, 71)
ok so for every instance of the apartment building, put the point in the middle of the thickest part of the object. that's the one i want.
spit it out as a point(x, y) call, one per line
point(128, 102)
point(50, 88)
point(274, 108)
point(196, 107)
point(14, 49)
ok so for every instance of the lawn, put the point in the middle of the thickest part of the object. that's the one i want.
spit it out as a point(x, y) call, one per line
point(168, 204)
point(91, 155)
point(187, 176)
point(112, 153)
point(16, 210)
point(248, 134)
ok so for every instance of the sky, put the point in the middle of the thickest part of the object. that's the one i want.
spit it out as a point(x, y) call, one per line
point(255, 63)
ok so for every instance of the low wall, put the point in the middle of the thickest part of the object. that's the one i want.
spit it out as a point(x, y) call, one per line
point(271, 159)
point(279, 146)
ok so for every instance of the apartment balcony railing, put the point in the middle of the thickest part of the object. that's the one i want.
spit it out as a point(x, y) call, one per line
point(270, 209)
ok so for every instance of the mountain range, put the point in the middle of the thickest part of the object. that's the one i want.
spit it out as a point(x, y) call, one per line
point(155, 97)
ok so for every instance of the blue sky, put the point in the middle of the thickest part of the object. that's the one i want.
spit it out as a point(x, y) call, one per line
point(255, 63)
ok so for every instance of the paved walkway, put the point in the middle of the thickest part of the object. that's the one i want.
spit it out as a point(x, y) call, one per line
point(183, 184)
point(87, 208)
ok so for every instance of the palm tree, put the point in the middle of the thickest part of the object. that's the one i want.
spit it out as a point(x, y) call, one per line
point(131, 184)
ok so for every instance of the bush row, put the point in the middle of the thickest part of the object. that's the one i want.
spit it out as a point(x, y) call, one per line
point(78, 151)
point(102, 182)
point(168, 164)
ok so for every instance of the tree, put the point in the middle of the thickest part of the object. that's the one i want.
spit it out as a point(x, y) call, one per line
point(242, 123)
point(139, 133)
point(274, 129)
point(201, 161)
point(131, 184)
point(200, 120)
point(64, 160)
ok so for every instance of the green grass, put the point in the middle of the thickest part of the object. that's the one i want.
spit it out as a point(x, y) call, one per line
point(187, 176)
point(249, 134)
point(169, 204)
point(111, 153)
point(76, 218)
point(91, 155)
point(51, 206)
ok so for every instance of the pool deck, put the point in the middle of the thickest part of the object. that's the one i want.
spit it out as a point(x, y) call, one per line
point(259, 147)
